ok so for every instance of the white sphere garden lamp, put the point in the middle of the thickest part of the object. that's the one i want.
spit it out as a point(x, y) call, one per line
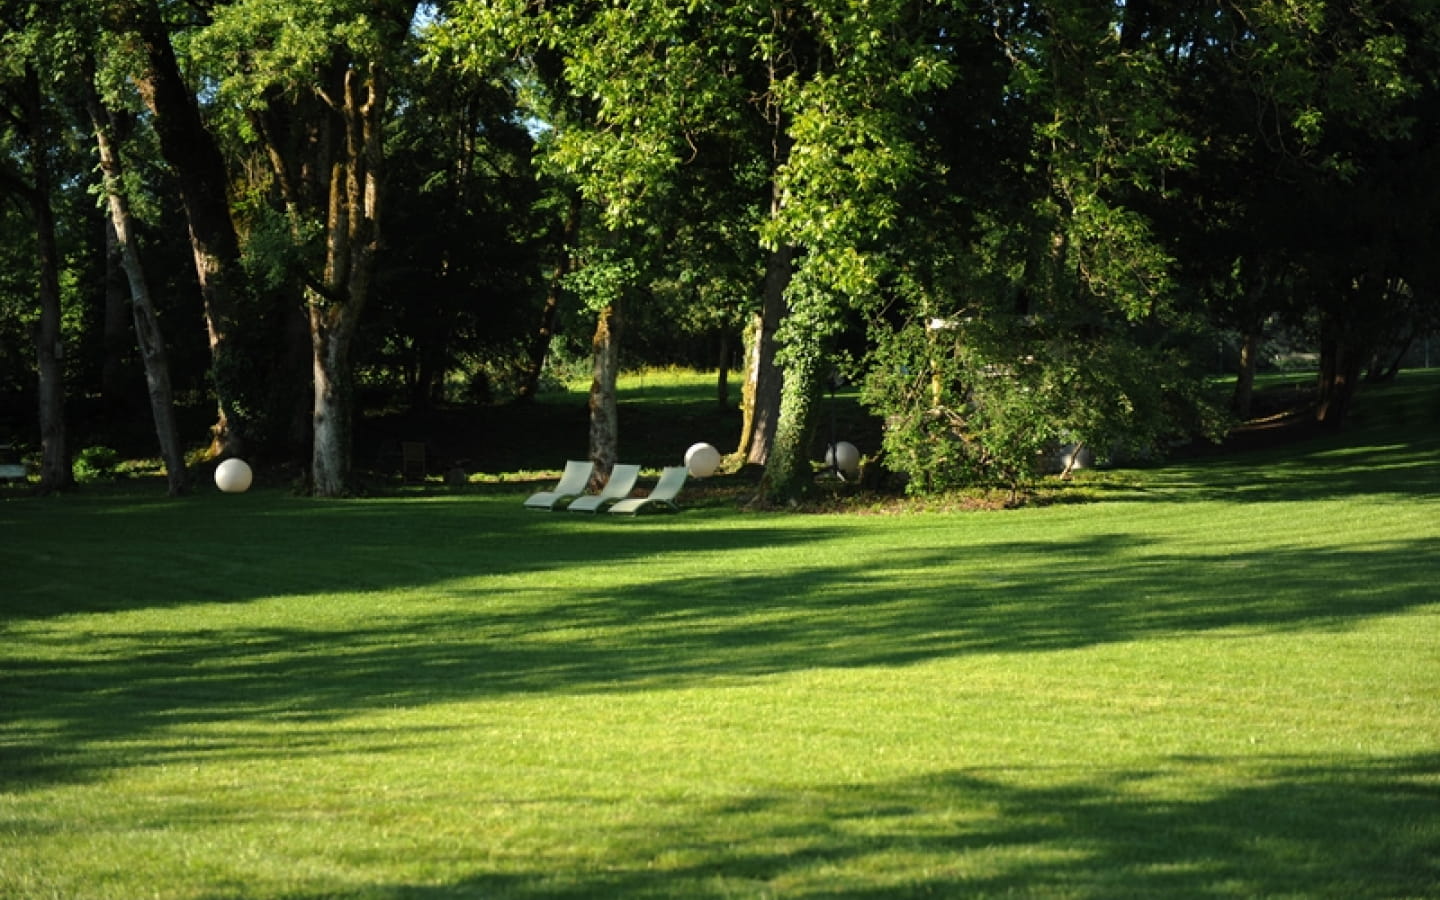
point(701, 460)
point(233, 476)
point(843, 456)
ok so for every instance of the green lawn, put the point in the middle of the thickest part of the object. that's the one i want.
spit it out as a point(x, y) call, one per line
point(1212, 679)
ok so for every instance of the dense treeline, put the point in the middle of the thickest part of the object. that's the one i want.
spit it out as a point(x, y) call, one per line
point(1016, 225)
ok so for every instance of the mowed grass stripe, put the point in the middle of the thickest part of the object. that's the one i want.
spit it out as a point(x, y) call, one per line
point(1215, 679)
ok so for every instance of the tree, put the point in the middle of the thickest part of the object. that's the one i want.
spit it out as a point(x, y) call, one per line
point(1346, 94)
point(312, 80)
point(1046, 314)
point(29, 118)
point(146, 320)
point(468, 226)
point(191, 150)
point(821, 90)
point(564, 263)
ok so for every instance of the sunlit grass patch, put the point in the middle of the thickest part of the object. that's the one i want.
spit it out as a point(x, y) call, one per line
point(1210, 679)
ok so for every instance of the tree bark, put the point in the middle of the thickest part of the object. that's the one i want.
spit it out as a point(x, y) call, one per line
point(190, 149)
point(1347, 341)
point(330, 416)
point(788, 476)
point(146, 321)
point(116, 332)
point(604, 409)
point(1243, 398)
point(763, 379)
point(352, 239)
point(55, 469)
point(1340, 366)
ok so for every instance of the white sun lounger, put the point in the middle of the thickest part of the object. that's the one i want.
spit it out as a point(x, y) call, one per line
point(662, 496)
point(620, 484)
point(572, 484)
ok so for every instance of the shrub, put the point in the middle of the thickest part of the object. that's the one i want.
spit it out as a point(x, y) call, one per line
point(96, 464)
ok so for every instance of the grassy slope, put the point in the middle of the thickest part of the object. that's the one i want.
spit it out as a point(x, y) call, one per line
point(1220, 679)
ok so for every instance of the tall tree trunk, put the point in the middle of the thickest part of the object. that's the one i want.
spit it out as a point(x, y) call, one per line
point(1257, 283)
point(116, 331)
point(191, 151)
point(1340, 366)
point(604, 409)
point(1347, 341)
point(1242, 400)
point(763, 379)
point(147, 323)
point(352, 238)
point(540, 341)
point(55, 470)
point(788, 475)
point(330, 417)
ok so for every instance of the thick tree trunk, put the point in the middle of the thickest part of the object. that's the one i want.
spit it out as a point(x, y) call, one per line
point(191, 151)
point(352, 238)
point(540, 341)
point(331, 422)
point(1340, 366)
point(788, 475)
point(147, 323)
point(763, 379)
point(1347, 341)
point(55, 470)
point(604, 409)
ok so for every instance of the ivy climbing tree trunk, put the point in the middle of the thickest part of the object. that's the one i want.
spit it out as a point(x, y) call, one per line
point(331, 333)
point(788, 475)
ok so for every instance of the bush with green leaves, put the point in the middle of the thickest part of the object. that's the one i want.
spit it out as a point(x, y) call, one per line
point(96, 464)
point(985, 401)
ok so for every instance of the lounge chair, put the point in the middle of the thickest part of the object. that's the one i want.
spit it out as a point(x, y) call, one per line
point(662, 496)
point(572, 484)
point(620, 484)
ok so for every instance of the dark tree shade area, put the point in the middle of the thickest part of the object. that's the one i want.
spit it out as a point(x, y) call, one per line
point(246, 227)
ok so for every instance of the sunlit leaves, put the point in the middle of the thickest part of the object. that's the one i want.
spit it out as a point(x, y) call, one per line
point(256, 47)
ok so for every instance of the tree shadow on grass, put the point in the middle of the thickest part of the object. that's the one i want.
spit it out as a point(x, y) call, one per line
point(1351, 828)
point(1324, 469)
point(637, 628)
point(1340, 827)
point(613, 615)
point(1390, 447)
